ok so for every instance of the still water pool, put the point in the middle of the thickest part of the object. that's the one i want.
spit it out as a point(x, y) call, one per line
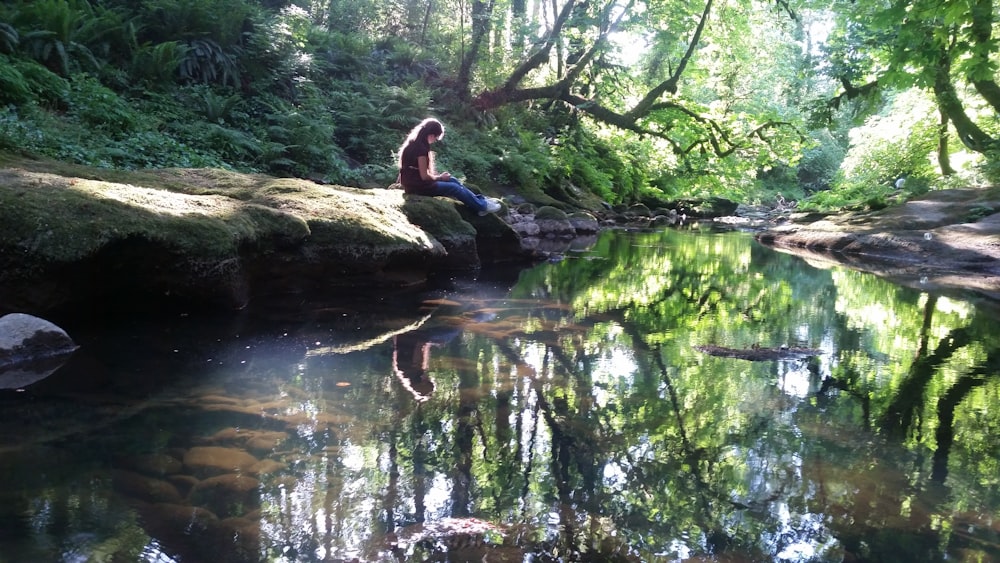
point(666, 396)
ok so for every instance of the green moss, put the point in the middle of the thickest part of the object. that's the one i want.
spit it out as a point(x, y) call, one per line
point(437, 216)
point(550, 213)
point(206, 214)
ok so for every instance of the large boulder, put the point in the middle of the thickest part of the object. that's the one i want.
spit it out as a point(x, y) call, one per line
point(30, 349)
point(26, 338)
point(218, 237)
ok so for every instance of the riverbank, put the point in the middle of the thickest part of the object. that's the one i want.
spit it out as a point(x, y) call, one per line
point(73, 235)
point(948, 239)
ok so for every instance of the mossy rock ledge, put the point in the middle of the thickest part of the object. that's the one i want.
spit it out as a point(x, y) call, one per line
point(77, 235)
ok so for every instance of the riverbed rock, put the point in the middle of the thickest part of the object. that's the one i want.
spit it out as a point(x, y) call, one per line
point(947, 239)
point(237, 540)
point(214, 460)
point(227, 495)
point(176, 524)
point(553, 223)
point(267, 467)
point(584, 223)
point(257, 441)
point(155, 464)
point(144, 488)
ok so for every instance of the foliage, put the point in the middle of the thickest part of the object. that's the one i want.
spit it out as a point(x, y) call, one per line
point(899, 144)
point(9, 38)
point(327, 90)
point(69, 35)
point(97, 107)
point(14, 87)
point(223, 22)
point(820, 163)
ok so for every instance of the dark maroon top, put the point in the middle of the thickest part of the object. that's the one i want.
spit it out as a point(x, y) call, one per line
point(409, 173)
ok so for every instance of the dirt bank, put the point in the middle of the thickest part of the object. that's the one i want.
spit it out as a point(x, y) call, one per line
point(948, 239)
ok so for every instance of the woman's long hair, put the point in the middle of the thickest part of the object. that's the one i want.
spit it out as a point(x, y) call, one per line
point(429, 126)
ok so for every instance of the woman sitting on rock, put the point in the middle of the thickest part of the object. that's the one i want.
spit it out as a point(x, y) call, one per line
point(417, 174)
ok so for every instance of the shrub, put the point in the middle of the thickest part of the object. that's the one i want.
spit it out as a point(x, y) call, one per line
point(14, 87)
point(901, 142)
point(98, 107)
point(820, 162)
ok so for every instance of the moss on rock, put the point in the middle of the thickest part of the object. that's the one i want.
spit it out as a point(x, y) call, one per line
point(207, 234)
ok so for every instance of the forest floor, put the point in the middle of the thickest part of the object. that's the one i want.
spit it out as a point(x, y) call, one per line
point(948, 240)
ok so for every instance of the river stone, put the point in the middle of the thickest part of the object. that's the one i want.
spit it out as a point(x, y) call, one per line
point(156, 465)
point(226, 435)
point(25, 337)
point(553, 222)
point(268, 466)
point(265, 441)
point(172, 523)
point(584, 222)
point(258, 441)
point(243, 527)
point(144, 488)
point(236, 540)
point(184, 483)
point(18, 376)
point(214, 460)
point(227, 495)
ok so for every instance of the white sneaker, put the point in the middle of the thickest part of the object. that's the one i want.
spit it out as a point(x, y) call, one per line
point(492, 206)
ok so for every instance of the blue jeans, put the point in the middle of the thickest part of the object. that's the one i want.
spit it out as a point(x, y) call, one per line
point(454, 189)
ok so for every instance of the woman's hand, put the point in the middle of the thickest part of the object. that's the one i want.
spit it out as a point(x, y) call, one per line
point(444, 176)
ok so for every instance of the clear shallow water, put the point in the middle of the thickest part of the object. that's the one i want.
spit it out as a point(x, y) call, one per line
point(570, 413)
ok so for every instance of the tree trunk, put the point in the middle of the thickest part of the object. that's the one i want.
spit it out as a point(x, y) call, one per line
point(427, 19)
point(944, 160)
point(481, 14)
point(944, 92)
point(518, 24)
point(981, 31)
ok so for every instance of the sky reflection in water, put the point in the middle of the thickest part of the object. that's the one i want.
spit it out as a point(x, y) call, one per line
point(569, 414)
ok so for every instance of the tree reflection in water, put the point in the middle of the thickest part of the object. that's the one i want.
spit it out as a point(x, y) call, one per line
point(569, 416)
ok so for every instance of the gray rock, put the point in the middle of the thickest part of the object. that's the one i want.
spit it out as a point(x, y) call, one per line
point(25, 338)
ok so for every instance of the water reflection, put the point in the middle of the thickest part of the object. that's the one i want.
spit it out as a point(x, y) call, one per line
point(571, 414)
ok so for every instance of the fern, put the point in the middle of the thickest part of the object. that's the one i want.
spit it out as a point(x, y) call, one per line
point(14, 88)
point(57, 34)
point(158, 64)
point(207, 62)
point(9, 38)
point(49, 88)
point(217, 108)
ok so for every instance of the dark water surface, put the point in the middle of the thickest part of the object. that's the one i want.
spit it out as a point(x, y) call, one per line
point(589, 409)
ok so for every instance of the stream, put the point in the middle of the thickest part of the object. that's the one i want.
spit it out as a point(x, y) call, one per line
point(675, 395)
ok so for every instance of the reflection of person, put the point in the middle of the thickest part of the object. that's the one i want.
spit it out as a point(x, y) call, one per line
point(411, 355)
point(418, 176)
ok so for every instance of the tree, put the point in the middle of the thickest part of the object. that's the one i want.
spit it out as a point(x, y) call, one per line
point(942, 46)
point(588, 78)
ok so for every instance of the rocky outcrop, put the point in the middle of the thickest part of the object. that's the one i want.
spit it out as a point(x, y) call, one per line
point(220, 238)
point(948, 239)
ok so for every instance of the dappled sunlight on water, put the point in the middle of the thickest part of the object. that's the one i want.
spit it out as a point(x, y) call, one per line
point(686, 396)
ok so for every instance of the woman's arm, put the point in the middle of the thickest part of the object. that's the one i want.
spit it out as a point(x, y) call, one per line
point(426, 167)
